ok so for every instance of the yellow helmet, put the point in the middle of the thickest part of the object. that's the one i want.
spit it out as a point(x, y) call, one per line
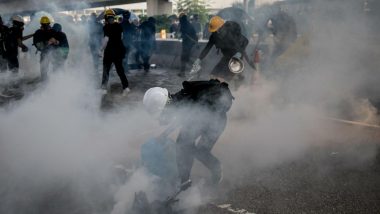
point(44, 20)
point(109, 12)
point(216, 22)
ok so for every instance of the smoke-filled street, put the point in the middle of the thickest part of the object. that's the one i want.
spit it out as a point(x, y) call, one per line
point(109, 107)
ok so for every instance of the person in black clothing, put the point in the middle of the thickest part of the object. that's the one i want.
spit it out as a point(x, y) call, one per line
point(114, 51)
point(226, 37)
point(129, 37)
point(4, 30)
point(45, 42)
point(148, 41)
point(62, 49)
point(95, 30)
point(13, 42)
point(189, 39)
point(284, 31)
point(196, 24)
point(200, 110)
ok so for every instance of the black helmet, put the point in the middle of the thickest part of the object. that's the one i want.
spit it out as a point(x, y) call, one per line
point(57, 27)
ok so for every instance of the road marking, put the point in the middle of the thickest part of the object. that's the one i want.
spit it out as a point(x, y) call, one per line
point(229, 208)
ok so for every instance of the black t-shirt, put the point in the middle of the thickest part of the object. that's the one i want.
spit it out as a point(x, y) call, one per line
point(228, 39)
point(14, 35)
point(43, 36)
point(62, 39)
point(114, 33)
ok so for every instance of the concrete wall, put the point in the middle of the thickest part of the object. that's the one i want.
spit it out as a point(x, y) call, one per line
point(159, 7)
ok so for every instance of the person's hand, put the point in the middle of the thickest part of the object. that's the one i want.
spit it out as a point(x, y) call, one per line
point(196, 67)
point(53, 41)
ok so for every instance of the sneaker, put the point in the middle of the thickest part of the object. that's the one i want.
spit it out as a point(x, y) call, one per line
point(126, 91)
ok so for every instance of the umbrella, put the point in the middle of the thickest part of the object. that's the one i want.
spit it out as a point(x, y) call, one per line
point(118, 11)
point(239, 16)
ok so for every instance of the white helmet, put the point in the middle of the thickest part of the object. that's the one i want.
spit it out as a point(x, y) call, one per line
point(17, 18)
point(155, 99)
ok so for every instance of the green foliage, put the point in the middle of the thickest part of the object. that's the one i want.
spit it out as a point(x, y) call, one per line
point(191, 7)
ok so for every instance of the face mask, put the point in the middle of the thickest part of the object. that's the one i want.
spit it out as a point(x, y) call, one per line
point(111, 20)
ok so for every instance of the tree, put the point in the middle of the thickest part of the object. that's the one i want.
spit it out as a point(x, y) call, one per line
point(191, 7)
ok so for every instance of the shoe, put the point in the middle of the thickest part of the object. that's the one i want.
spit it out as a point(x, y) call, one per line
point(103, 89)
point(126, 92)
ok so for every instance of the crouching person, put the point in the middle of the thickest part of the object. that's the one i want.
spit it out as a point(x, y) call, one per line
point(200, 111)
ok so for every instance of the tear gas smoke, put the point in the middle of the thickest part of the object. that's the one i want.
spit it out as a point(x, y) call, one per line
point(57, 148)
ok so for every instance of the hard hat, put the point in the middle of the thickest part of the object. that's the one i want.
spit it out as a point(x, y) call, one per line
point(155, 99)
point(18, 18)
point(109, 12)
point(216, 22)
point(236, 65)
point(44, 20)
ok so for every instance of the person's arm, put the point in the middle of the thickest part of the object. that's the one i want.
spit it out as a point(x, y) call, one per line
point(208, 47)
point(19, 42)
point(27, 37)
point(21, 45)
point(104, 43)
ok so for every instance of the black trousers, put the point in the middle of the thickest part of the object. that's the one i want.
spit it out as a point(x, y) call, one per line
point(13, 64)
point(107, 63)
point(185, 55)
point(221, 69)
point(209, 129)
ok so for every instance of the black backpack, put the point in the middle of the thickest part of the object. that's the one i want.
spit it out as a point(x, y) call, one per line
point(231, 37)
point(213, 94)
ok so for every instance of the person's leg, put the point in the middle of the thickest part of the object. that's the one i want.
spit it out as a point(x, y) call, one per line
point(120, 72)
point(95, 58)
point(44, 65)
point(126, 59)
point(206, 143)
point(185, 150)
point(146, 50)
point(185, 56)
point(3, 64)
point(221, 70)
point(13, 63)
point(106, 71)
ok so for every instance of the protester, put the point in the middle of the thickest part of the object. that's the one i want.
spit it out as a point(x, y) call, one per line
point(148, 42)
point(197, 25)
point(3, 35)
point(200, 110)
point(189, 39)
point(61, 51)
point(13, 41)
point(114, 51)
point(227, 37)
point(129, 36)
point(284, 30)
point(95, 30)
point(174, 27)
point(45, 42)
